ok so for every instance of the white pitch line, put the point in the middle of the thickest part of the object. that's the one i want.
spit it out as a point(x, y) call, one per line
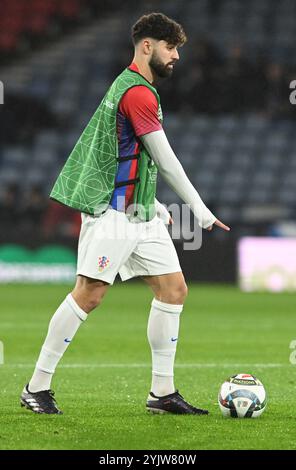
point(143, 365)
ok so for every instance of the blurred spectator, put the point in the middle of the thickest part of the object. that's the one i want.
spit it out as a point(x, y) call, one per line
point(21, 117)
point(199, 93)
point(125, 57)
point(32, 210)
point(205, 54)
point(235, 80)
point(61, 222)
point(276, 102)
point(33, 217)
point(9, 209)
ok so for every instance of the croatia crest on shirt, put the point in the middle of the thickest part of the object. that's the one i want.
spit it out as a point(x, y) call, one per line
point(103, 262)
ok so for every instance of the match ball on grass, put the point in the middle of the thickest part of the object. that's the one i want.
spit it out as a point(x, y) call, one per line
point(242, 396)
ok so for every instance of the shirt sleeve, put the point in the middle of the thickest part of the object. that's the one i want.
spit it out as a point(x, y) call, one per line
point(173, 173)
point(140, 106)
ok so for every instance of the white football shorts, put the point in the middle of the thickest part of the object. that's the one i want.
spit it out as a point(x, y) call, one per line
point(113, 243)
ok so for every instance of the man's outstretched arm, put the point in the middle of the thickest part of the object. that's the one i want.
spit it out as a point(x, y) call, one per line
point(173, 173)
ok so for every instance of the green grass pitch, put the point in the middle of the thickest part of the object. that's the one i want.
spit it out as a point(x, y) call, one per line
point(104, 378)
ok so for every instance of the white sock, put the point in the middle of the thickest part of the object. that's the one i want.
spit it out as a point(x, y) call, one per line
point(163, 330)
point(62, 328)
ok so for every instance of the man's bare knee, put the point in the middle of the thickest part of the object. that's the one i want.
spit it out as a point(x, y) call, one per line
point(169, 288)
point(93, 301)
point(183, 292)
point(88, 293)
point(176, 295)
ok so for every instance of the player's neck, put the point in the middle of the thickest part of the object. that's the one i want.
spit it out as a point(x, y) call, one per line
point(144, 70)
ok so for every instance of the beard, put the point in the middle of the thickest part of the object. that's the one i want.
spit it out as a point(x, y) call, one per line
point(159, 68)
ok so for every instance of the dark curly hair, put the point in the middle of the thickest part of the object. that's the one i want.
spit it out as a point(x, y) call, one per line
point(158, 26)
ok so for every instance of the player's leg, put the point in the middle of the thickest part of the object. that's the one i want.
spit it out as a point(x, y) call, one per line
point(100, 255)
point(63, 326)
point(169, 288)
point(170, 291)
point(88, 293)
point(156, 261)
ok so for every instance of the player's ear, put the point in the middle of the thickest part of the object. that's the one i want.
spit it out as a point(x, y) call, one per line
point(147, 46)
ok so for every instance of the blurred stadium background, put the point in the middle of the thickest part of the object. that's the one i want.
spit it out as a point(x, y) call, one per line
point(227, 115)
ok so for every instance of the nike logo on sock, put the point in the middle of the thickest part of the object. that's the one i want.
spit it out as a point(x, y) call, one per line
point(67, 340)
point(174, 339)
